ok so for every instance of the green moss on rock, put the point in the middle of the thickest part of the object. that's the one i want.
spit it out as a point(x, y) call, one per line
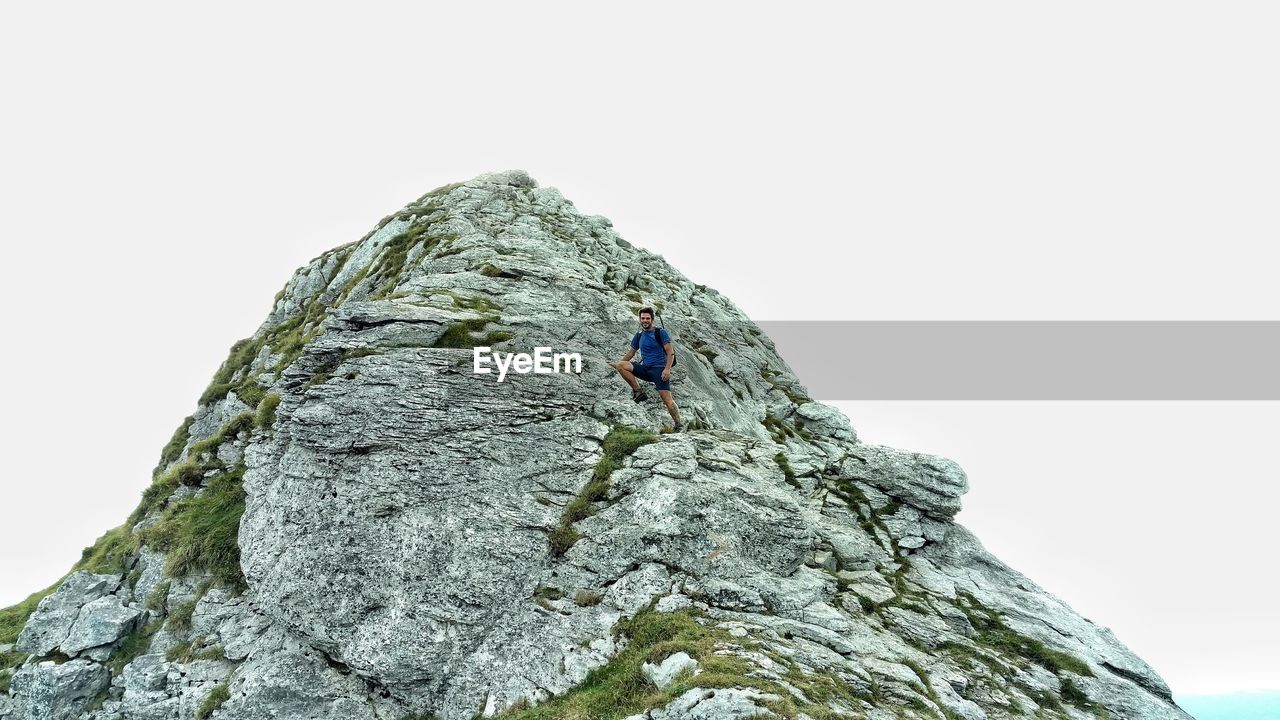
point(462, 334)
point(619, 443)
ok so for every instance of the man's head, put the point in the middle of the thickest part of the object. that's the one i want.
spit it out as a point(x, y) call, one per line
point(646, 317)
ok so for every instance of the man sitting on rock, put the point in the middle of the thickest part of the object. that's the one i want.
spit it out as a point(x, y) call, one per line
point(656, 355)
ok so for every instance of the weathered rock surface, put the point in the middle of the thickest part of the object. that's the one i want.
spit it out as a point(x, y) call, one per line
point(404, 541)
point(57, 615)
point(101, 622)
point(665, 672)
point(57, 691)
point(727, 704)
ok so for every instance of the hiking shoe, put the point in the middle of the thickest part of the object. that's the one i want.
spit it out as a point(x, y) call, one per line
point(639, 395)
point(678, 427)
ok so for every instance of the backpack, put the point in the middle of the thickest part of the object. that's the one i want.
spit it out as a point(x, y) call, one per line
point(674, 359)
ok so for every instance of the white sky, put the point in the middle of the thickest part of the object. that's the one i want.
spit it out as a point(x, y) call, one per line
point(164, 169)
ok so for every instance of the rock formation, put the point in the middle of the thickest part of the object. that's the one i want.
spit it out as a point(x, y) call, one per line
point(354, 526)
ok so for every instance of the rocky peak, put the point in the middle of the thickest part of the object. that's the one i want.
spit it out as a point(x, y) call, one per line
point(354, 524)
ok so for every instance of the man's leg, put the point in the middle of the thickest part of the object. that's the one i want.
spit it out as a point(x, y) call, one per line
point(671, 405)
point(624, 369)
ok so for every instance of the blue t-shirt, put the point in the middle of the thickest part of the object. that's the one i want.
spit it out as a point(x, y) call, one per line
point(652, 354)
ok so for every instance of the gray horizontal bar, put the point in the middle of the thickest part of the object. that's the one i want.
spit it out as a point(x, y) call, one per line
point(1032, 360)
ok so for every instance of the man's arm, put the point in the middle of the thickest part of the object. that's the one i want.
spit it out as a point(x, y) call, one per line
point(631, 352)
point(671, 356)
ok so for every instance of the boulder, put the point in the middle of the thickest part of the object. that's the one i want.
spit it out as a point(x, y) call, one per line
point(54, 617)
point(57, 691)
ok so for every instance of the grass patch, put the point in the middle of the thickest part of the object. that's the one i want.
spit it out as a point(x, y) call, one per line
point(154, 496)
point(179, 653)
point(108, 555)
point(290, 337)
point(135, 644)
point(821, 688)
point(250, 393)
point(779, 430)
point(385, 271)
point(544, 595)
point(242, 353)
point(192, 472)
point(562, 538)
point(490, 270)
point(240, 423)
point(440, 191)
point(993, 633)
point(768, 375)
point(159, 596)
point(1075, 696)
point(1045, 699)
point(787, 473)
point(179, 619)
point(972, 658)
point(462, 334)
point(586, 598)
point(173, 449)
point(11, 659)
point(548, 593)
point(323, 373)
point(200, 533)
point(186, 652)
point(266, 416)
point(927, 688)
point(620, 688)
point(619, 443)
point(214, 700)
point(480, 303)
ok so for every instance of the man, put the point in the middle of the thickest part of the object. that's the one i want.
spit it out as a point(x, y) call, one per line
point(656, 355)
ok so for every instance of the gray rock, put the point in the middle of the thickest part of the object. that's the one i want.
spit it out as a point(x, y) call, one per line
point(297, 683)
point(665, 672)
point(876, 593)
point(673, 603)
point(635, 589)
point(826, 420)
point(825, 560)
point(54, 616)
point(911, 542)
point(152, 576)
point(720, 704)
point(52, 691)
point(146, 694)
point(101, 622)
point(929, 483)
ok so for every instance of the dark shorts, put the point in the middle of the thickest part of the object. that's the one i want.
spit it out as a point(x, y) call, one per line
point(651, 373)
